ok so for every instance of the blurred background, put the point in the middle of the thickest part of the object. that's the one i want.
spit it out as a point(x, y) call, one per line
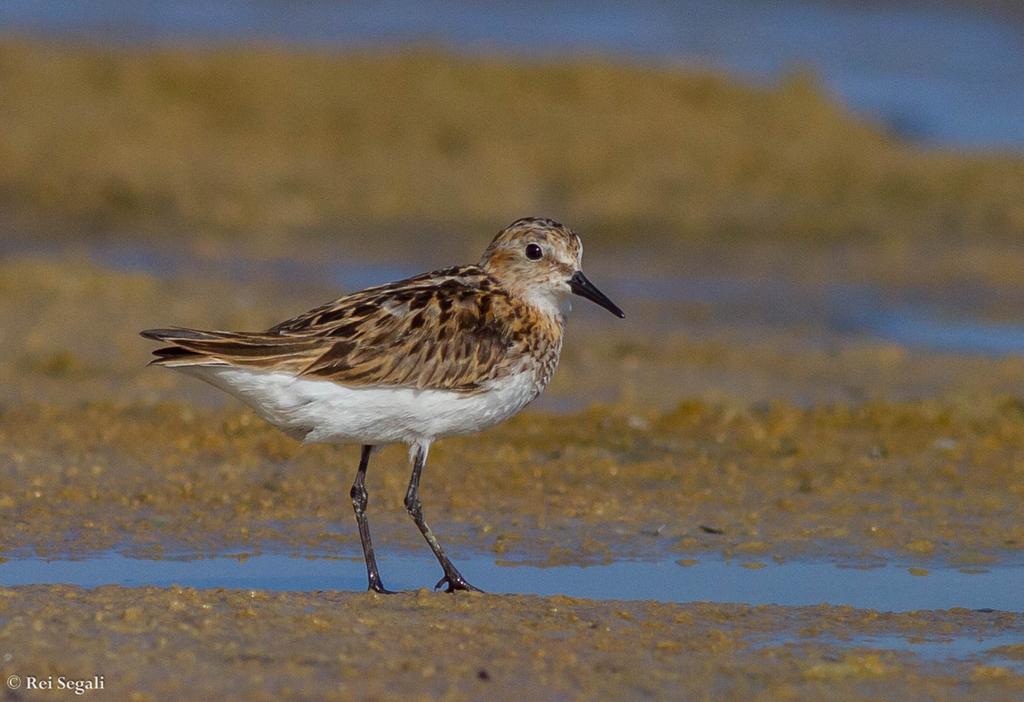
point(811, 211)
point(809, 201)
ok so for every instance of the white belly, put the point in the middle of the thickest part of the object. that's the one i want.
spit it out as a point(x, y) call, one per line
point(319, 411)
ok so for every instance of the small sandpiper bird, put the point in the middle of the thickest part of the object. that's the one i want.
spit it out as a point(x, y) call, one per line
point(443, 353)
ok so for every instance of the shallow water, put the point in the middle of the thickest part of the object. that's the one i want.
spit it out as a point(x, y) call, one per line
point(924, 327)
point(943, 75)
point(888, 588)
point(954, 647)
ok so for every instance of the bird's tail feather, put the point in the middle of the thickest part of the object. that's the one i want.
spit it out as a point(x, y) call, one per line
point(192, 347)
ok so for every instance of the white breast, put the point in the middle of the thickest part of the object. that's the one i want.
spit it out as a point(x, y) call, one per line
point(320, 411)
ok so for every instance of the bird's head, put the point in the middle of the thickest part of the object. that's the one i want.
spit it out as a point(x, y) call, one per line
point(540, 260)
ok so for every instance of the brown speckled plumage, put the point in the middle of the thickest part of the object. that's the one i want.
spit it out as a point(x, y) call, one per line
point(452, 329)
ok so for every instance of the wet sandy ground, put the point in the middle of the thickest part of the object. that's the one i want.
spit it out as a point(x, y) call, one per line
point(740, 429)
point(760, 442)
point(151, 644)
point(928, 480)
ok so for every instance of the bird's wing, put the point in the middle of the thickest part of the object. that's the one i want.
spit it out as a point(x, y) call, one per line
point(446, 330)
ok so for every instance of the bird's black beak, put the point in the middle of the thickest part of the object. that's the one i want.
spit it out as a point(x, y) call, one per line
point(584, 288)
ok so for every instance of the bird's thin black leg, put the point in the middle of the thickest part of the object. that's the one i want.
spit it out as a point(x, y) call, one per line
point(452, 577)
point(360, 498)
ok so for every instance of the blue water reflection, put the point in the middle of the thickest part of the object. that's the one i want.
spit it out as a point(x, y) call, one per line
point(710, 579)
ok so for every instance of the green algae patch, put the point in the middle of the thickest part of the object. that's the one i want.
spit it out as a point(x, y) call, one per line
point(174, 643)
point(581, 488)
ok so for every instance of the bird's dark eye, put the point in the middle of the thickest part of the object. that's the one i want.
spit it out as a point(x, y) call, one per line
point(533, 252)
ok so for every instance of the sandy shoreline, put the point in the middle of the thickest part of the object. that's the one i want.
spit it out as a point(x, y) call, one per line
point(157, 643)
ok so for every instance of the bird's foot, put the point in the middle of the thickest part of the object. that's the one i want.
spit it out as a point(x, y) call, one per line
point(455, 581)
point(379, 587)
